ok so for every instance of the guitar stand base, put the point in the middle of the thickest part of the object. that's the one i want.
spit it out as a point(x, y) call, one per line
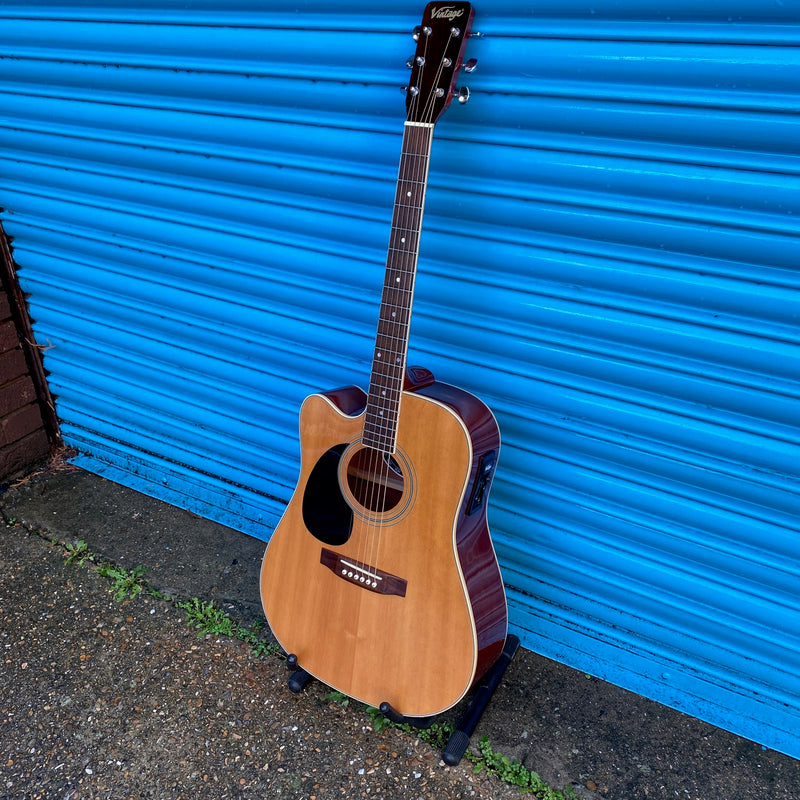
point(459, 739)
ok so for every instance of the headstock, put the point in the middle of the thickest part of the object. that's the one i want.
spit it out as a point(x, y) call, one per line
point(441, 41)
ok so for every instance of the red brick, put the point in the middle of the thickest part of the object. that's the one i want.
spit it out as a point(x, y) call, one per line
point(23, 454)
point(8, 336)
point(12, 366)
point(19, 424)
point(16, 394)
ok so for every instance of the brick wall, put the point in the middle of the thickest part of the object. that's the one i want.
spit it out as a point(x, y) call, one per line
point(26, 430)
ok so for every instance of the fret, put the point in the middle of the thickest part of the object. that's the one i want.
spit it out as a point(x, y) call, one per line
point(390, 307)
point(389, 357)
point(399, 296)
point(378, 439)
point(389, 334)
point(392, 397)
point(389, 364)
point(390, 385)
point(375, 425)
point(390, 375)
point(384, 444)
point(389, 346)
point(398, 281)
point(400, 229)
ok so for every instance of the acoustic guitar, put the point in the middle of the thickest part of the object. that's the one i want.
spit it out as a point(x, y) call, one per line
point(381, 577)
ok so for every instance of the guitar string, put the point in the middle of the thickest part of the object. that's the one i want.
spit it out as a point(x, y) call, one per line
point(390, 378)
point(380, 464)
point(408, 218)
point(387, 385)
point(414, 167)
point(399, 294)
point(411, 221)
point(398, 261)
point(382, 385)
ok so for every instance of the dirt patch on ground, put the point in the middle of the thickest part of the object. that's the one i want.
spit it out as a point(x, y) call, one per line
point(102, 699)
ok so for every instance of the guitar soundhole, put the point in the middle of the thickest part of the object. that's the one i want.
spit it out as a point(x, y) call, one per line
point(375, 480)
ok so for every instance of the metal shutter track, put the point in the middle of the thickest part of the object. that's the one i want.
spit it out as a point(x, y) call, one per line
point(200, 202)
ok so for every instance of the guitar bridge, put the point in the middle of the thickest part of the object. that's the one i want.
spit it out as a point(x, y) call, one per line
point(363, 575)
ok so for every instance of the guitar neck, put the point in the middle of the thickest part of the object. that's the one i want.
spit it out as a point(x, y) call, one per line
point(391, 341)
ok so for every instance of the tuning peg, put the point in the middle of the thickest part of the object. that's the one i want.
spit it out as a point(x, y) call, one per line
point(420, 31)
point(470, 65)
point(410, 62)
point(463, 95)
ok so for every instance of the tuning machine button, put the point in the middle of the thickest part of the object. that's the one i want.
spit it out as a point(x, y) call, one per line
point(463, 95)
point(471, 65)
point(420, 31)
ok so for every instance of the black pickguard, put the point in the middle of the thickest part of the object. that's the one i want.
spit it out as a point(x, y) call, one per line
point(325, 513)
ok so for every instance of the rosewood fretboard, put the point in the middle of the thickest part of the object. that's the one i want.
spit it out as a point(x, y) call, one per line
point(391, 341)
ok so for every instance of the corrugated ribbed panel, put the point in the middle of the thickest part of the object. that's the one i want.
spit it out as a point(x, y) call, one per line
point(200, 203)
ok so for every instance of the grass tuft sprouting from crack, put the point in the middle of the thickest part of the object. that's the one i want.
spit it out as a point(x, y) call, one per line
point(210, 619)
point(124, 582)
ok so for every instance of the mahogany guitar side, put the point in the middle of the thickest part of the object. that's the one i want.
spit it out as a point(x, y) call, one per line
point(436, 619)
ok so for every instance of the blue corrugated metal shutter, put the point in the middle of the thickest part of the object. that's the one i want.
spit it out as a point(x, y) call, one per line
point(200, 201)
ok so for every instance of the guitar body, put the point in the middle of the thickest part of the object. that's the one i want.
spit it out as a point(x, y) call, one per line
point(386, 586)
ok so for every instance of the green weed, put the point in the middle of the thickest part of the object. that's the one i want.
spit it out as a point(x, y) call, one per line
point(513, 772)
point(496, 764)
point(207, 618)
point(379, 721)
point(78, 553)
point(124, 582)
point(252, 636)
point(338, 697)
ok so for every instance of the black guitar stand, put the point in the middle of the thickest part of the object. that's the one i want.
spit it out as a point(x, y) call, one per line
point(299, 678)
point(459, 740)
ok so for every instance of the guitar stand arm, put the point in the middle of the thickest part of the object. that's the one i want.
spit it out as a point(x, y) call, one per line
point(459, 739)
point(417, 722)
point(299, 678)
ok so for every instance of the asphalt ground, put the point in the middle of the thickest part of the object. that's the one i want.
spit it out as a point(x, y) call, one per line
point(108, 698)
